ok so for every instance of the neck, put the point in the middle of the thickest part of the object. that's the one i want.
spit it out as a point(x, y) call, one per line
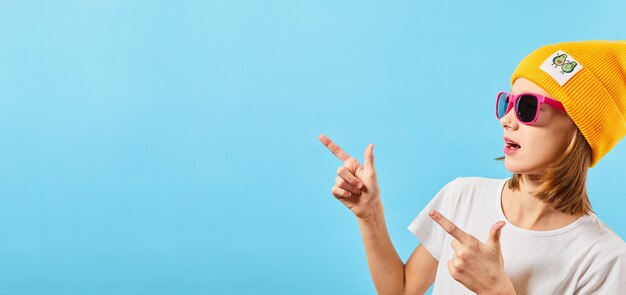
point(526, 211)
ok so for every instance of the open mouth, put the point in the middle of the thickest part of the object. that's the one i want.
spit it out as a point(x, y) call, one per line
point(510, 144)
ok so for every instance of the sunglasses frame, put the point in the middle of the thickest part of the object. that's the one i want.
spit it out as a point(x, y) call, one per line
point(541, 99)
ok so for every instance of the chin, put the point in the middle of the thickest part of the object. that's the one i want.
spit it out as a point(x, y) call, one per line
point(521, 167)
point(509, 166)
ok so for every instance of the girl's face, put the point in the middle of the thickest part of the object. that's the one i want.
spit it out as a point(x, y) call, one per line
point(540, 144)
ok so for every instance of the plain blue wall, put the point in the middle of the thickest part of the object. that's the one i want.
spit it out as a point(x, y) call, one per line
point(156, 147)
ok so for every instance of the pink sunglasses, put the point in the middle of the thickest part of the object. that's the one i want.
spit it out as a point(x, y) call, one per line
point(527, 105)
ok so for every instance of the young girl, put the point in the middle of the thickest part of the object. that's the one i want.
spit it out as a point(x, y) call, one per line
point(569, 110)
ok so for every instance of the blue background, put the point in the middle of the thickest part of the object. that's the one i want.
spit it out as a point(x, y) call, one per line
point(156, 147)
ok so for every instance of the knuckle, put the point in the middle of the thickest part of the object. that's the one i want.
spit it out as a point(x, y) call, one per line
point(347, 187)
point(452, 228)
point(339, 192)
point(340, 169)
point(454, 273)
point(460, 255)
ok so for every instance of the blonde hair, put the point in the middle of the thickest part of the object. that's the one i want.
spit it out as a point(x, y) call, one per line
point(563, 185)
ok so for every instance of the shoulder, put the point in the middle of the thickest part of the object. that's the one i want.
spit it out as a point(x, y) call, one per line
point(477, 180)
point(604, 266)
point(473, 181)
point(602, 238)
point(476, 184)
point(473, 191)
point(603, 249)
point(465, 191)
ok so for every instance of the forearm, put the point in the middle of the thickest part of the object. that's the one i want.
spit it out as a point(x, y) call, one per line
point(386, 267)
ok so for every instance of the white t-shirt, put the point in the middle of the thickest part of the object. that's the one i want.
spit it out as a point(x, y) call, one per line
point(584, 257)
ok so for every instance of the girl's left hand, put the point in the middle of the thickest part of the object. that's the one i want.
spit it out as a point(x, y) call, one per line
point(479, 266)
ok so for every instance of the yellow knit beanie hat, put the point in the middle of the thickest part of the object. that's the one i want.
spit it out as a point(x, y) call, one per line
point(589, 79)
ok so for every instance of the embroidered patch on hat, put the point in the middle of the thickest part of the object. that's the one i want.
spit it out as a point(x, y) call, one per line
point(561, 67)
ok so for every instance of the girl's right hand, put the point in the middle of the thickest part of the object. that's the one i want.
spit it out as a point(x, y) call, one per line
point(356, 185)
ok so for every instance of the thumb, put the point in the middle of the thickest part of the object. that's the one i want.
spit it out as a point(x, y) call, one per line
point(494, 234)
point(369, 156)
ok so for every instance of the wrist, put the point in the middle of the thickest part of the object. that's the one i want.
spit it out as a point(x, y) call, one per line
point(373, 214)
point(503, 288)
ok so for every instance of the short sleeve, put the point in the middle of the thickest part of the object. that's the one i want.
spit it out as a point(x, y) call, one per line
point(608, 278)
point(430, 234)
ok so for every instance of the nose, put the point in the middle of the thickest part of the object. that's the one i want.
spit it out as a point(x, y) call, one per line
point(508, 121)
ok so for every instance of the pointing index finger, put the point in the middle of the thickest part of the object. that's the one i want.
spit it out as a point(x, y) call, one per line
point(334, 148)
point(449, 227)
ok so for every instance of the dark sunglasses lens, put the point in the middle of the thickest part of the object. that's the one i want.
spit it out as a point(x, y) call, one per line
point(527, 108)
point(502, 105)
